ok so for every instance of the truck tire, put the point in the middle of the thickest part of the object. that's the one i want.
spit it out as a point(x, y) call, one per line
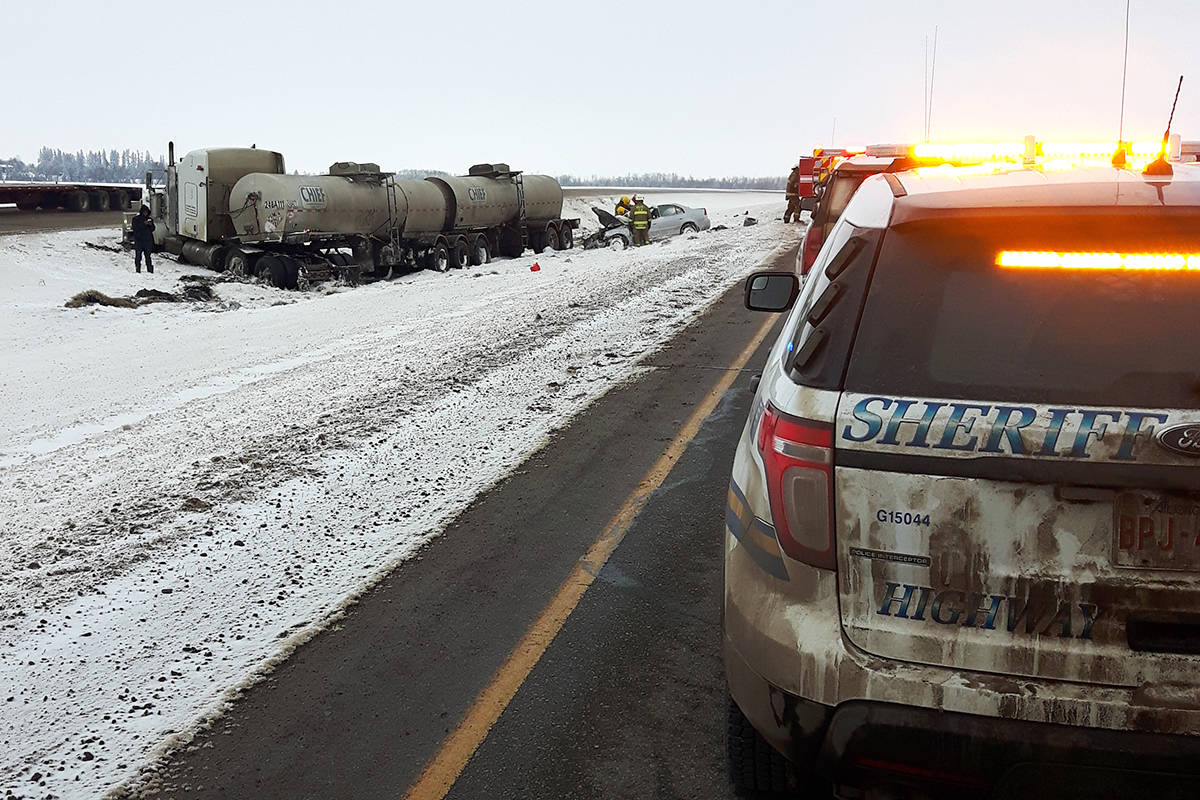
point(76, 200)
point(547, 240)
point(272, 270)
point(291, 273)
point(566, 237)
point(460, 254)
point(755, 768)
point(98, 201)
point(438, 259)
point(481, 253)
point(511, 245)
point(238, 263)
point(216, 258)
point(119, 200)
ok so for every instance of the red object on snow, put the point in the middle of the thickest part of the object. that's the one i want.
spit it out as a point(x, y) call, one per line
point(536, 267)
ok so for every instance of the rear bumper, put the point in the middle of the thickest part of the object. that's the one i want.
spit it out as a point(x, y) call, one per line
point(862, 743)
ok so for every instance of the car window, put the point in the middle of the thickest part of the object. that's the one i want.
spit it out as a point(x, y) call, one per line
point(666, 211)
point(943, 320)
point(828, 309)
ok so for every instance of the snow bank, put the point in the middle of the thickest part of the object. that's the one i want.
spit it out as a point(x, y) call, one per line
point(185, 494)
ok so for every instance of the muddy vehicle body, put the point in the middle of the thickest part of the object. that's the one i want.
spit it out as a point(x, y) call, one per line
point(963, 526)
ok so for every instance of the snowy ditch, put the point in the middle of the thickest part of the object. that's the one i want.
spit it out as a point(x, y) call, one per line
point(186, 496)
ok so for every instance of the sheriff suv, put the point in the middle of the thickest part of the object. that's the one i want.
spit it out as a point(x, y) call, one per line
point(962, 552)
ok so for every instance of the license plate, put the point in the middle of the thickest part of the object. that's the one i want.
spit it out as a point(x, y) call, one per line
point(1156, 531)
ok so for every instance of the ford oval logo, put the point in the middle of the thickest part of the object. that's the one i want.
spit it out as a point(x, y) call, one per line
point(1183, 439)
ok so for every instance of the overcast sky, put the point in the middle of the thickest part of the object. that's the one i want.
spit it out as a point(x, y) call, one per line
point(700, 87)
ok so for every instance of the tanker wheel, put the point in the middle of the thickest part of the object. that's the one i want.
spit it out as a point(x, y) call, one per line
point(291, 273)
point(566, 237)
point(460, 254)
point(548, 240)
point(439, 258)
point(98, 201)
point(271, 269)
point(481, 253)
point(119, 200)
point(77, 200)
point(511, 245)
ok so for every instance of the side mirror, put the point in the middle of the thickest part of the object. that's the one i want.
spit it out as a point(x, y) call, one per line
point(771, 291)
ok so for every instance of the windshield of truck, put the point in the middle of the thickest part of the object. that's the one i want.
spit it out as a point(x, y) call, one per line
point(1068, 321)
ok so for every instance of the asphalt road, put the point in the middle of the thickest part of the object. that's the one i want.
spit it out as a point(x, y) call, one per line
point(628, 699)
point(13, 220)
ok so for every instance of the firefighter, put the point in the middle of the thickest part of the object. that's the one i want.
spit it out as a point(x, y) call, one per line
point(793, 195)
point(641, 222)
point(143, 239)
point(623, 207)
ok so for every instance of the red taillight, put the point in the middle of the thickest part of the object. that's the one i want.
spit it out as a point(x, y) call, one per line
point(799, 461)
point(812, 248)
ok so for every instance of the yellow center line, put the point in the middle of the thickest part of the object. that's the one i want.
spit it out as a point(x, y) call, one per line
point(440, 774)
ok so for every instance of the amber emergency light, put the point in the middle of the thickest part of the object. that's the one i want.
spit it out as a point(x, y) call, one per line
point(1030, 259)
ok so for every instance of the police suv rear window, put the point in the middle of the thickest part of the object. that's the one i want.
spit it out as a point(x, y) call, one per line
point(944, 319)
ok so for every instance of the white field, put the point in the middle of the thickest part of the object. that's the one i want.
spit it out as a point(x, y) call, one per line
point(188, 491)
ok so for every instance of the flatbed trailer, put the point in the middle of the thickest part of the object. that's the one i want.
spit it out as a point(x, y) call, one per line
point(71, 195)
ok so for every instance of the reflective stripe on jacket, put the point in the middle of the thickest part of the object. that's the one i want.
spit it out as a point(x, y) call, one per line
point(641, 217)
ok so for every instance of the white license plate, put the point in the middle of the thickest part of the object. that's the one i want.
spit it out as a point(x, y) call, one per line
point(1156, 531)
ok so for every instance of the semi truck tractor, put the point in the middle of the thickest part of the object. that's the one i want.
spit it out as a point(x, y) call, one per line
point(237, 209)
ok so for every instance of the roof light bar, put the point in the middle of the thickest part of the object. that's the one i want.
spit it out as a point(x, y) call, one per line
point(1033, 152)
point(1167, 262)
point(972, 152)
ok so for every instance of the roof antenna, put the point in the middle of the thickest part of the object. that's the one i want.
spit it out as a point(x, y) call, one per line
point(932, 73)
point(925, 97)
point(1159, 166)
point(1119, 156)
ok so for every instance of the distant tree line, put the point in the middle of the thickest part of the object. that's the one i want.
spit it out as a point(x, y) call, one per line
point(130, 166)
point(665, 180)
point(103, 166)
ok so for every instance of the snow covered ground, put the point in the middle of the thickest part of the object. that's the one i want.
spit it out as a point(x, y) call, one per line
point(188, 491)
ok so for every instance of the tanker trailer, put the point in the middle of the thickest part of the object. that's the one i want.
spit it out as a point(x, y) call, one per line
point(237, 209)
point(391, 223)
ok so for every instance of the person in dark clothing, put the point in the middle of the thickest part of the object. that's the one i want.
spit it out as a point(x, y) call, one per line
point(143, 239)
point(793, 195)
